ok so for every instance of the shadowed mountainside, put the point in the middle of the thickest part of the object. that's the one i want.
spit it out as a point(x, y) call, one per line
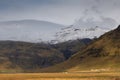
point(71, 47)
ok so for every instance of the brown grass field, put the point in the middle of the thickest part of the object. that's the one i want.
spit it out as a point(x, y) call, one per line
point(62, 76)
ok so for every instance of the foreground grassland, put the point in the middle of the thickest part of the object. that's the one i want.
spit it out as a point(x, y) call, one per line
point(62, 76)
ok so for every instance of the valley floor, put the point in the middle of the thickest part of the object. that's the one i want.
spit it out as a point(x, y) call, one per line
point(62, 76)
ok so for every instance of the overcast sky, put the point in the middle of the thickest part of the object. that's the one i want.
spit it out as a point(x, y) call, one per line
point(59, 11)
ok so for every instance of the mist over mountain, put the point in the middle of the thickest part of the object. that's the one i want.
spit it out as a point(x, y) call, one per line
point(86, 27)
point(28, 30)
point(44, 31)
point(37, 20)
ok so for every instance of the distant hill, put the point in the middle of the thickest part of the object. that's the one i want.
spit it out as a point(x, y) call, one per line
point(101, 55)
point(16, 56)
point(27, 56)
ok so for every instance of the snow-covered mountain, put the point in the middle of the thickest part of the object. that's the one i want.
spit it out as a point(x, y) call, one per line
point(43, 31)
point(28, 30)
point(72, 33)
point(86, 28)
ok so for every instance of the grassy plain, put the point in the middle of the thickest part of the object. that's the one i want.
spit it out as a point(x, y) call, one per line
point(62, 76)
